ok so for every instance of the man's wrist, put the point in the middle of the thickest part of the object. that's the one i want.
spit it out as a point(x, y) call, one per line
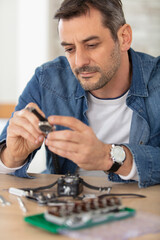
point(133, 173)
point(8, 160)
point(6, 170)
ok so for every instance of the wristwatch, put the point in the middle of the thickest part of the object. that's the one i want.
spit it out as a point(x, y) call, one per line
point(118, 157)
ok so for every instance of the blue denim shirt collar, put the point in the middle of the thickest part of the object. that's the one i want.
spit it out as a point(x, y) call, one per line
point(138, 85)
point(80, 92)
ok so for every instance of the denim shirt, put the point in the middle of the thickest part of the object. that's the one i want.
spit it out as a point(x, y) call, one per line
point(56, 91)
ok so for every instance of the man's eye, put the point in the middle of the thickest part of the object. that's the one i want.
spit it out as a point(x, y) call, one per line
point(92, 45)
point(69, 50)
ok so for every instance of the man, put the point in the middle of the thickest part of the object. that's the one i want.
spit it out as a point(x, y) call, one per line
point(103, 99)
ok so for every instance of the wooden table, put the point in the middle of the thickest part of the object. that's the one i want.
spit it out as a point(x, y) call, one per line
point(12, 225)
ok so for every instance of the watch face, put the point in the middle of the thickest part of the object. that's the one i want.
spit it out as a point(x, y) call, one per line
point(45, 127)
point(118, 154)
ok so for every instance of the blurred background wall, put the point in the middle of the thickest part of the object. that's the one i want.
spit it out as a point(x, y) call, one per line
point(28, 38)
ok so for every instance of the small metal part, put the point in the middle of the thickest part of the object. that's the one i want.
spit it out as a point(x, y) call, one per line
point(49, 195)
point(69, 185)
point(109, 189)
point(45, 127)
point(4, 202)
point(21, 204)
point(17, 192)
point(88, 196)
point(31, 193)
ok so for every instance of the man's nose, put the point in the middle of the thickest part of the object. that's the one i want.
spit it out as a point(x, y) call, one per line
point(81, 58)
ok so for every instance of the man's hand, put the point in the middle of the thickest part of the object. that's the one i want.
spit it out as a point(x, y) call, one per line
point(78, 144)
point(23, 137)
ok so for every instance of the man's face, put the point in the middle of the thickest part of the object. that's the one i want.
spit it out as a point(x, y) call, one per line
point(93, 55)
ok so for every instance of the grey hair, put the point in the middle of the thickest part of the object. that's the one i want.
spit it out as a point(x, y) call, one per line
point(111, 11)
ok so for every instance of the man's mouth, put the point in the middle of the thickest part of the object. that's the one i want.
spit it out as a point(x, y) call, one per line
point(87, 71)
point(87, 74)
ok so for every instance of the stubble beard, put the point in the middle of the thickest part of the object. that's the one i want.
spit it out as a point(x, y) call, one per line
point(105, 76)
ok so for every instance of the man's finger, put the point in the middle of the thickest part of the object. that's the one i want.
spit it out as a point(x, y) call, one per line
point(69, 122)
point(65, 135)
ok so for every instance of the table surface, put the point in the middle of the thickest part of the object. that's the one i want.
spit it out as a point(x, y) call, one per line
point(12, 225)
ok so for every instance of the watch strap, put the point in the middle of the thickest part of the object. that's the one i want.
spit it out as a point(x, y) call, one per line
point(114, 167)
point(37, 114)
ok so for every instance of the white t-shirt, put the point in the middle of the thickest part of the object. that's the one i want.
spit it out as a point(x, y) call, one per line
point(110, 120)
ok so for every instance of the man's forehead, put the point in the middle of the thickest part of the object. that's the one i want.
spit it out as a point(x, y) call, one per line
point(92, 15)
point(84, 26)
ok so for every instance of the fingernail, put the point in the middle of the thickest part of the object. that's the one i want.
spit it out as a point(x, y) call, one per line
point(40, 138)
point(51, 119)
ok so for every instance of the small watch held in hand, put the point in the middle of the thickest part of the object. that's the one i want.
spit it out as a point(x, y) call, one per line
point(44, 125)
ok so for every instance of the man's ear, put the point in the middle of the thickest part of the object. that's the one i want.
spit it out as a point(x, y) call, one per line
point(125, 37)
